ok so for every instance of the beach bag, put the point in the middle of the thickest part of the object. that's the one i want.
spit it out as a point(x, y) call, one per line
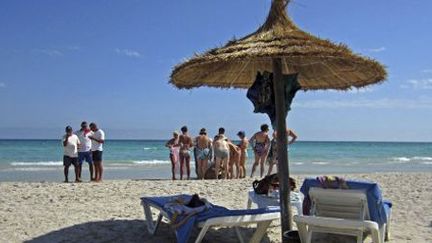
point(263, 186)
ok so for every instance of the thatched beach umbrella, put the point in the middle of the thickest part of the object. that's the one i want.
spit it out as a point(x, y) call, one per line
point(280, 47)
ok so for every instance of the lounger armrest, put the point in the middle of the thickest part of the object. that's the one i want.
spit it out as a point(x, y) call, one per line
point(237, 220)
point(336, 223)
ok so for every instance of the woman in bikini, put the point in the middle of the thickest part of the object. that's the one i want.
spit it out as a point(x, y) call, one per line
point(185, 142)
point(260, 142)
point(173, 145)
point(243, 145)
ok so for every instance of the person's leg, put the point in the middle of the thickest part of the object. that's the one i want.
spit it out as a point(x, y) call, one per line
point(230, 169)
point(237, 165)
point(89, 160)
point(217, 167)
point(262, 164)
point(188, 166)
point(181, 165)
point(66, 173)
point(100, 170)
point(77, 170)
point(204, 168)
point(226, 168)
point(96, 167)
point(242, 166)
point(257, 157)
point(270, 167)
point(172, 158)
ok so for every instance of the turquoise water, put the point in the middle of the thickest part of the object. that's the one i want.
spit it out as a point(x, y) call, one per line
point(37, 160)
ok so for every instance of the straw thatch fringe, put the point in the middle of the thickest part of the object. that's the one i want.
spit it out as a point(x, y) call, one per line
point(320, 63)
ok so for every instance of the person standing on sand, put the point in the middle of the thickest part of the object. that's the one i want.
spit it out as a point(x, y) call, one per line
point(261, 143)
point(243, 145)
point(203, 145)
point(221, 155)
point(234, 160)
point(98, 139)
point(273, 159)
point(173, 145)
point(185, 142)
point(70, 143)
point(84, 151)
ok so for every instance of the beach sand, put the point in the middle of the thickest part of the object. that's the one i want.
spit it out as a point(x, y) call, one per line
point(111, 211)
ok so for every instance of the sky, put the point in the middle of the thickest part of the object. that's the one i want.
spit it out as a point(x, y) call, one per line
point(109, 62)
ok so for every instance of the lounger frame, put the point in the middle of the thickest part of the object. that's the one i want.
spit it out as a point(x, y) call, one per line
point(263, 221)
point(339, 211)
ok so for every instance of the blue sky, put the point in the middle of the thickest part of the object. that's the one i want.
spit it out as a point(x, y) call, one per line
point(109, 61)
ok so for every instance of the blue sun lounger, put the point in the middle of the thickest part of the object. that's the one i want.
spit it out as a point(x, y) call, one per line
point(353, 211)
point(213, 215)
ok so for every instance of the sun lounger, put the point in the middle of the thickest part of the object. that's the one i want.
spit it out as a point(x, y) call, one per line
point(354, 211)
point(214, 216)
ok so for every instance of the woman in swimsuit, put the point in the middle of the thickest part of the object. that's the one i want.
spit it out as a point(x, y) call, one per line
point(234, 161)
point(203, 145)
point(173, 146)
point(244, 143)
point(185, 142)
point(221, 154)
point(261, 144)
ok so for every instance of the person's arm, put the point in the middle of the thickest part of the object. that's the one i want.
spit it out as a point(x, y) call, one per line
point(168, 144)
point(65, 141)
point(267, 142)
point(293, 135)
point(252, 139)
point(101, 140)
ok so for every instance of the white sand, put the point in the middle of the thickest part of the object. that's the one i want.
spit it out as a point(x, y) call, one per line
point(111, 211)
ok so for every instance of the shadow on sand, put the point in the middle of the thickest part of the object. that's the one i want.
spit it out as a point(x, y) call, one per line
point(133, 231)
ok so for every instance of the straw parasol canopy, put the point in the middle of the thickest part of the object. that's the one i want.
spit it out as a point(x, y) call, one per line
point(320, 63)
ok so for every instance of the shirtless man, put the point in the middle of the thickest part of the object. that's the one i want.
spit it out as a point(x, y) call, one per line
point(203, 145)
point(274, 159)
point(221, 154)
point(173, 145)
point(261, 144)
point(243, 145)
point(235, 153)
point(185, 142)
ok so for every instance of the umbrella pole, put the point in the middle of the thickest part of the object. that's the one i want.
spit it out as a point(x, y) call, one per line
point(282, 151)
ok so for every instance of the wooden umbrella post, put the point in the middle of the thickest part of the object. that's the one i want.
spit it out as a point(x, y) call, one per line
point(282, 151)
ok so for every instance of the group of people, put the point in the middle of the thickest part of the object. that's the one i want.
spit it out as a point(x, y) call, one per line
point(220, 157)
point(85, 144)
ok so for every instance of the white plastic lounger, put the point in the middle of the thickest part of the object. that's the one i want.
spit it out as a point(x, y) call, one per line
point(339, 211)
point(263, 221)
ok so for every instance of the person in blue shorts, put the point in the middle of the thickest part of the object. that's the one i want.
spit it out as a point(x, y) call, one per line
point(84, 151)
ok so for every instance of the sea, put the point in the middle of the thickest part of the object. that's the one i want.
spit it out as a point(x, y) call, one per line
point(41, 160)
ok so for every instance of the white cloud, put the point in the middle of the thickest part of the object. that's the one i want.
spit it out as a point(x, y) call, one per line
point(2, 85)
point(418, 84)
point(49, 52)
point(127, 52)
point(361, 90)
point(379, 49)
point(73, 48)
point(384, 103)
point(427, 71)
